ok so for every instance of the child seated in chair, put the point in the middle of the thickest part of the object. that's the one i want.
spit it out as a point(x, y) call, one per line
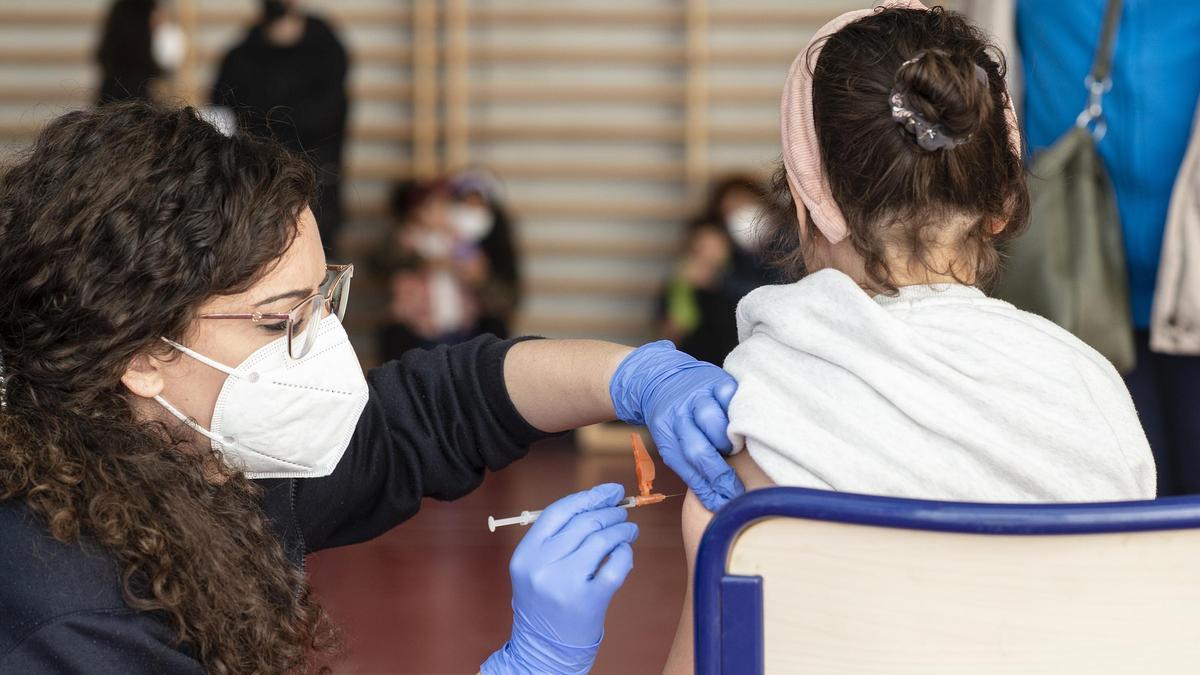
point(886, 369)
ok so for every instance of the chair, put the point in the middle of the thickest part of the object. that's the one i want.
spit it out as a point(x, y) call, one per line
point(790, 580)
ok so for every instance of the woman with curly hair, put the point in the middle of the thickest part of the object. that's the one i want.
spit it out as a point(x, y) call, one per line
point(182, 417)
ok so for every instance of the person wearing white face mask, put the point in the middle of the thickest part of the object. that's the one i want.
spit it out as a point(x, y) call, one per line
point(313, 368)
point(432, 271)
point(480, 216)
point(723, 262)
point(183, 418)
point(141, 44)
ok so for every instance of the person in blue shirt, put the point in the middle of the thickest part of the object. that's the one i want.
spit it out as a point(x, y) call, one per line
point(1149, 113)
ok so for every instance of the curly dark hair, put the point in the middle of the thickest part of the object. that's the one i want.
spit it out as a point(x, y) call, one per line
point(114, 228)
point(890, 190)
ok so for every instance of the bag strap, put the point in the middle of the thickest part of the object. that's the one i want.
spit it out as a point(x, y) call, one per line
point(1097, 81)
point(1102, 63)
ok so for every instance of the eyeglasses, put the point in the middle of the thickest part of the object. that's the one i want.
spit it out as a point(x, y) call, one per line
point(303, 321)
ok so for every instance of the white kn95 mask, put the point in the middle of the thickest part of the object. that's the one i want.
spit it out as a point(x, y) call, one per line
point(278, 417)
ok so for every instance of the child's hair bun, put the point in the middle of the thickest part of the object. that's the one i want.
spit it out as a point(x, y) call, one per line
point(950, 90)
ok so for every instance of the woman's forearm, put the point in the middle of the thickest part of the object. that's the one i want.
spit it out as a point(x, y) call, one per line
point(563, 384)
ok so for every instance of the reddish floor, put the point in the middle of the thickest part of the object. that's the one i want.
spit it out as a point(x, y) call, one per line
point(432, 596)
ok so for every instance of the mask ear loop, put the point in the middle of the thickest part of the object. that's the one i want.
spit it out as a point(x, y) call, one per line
point(192, 423)
point(250, 377)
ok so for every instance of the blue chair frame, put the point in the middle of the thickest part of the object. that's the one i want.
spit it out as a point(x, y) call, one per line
point(728, 609)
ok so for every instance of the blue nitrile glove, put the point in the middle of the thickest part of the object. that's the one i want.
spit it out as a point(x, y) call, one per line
point(560, 592)
point(684, 402)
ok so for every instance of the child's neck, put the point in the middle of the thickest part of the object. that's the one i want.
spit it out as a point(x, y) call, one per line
point(929, 278)
point(917, 274)
point(941, 266)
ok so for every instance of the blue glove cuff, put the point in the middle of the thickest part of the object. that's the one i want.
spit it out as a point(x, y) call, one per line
point(640, 373)
point(529, 653)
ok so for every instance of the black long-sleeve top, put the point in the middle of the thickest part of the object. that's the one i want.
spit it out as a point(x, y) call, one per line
point(434, 423)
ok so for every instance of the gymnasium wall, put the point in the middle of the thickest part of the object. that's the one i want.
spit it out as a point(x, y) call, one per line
point(604, 118)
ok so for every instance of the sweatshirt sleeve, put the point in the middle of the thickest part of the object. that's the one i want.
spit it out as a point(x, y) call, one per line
point(435, 421)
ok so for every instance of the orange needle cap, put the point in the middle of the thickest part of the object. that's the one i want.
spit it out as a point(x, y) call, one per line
point(643, 464)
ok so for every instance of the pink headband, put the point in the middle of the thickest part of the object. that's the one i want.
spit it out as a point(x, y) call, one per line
point(802, 155)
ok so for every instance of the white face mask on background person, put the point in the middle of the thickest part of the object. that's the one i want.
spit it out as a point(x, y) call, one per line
point(168, 46)
point(472, 223)
point(745, 227)
point(278, 417)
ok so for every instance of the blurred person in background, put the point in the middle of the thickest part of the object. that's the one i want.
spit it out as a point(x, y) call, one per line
point(478, 215)
point(432, 272)
point(1149, 114)
point(722, 262)
point(141, 44)
point(287, 79)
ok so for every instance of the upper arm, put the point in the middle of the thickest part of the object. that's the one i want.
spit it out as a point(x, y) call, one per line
point(695, 520)
point(696, 517)
point(119, 641)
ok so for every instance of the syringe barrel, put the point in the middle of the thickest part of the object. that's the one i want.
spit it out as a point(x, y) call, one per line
point(528, 517)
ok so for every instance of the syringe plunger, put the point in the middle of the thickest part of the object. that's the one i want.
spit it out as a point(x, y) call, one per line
point(525, 518)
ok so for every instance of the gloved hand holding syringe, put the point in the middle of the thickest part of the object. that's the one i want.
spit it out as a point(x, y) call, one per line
point(643, 465)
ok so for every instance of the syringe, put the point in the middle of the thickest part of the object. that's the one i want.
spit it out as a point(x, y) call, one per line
point(528, 517)
point(643, 466)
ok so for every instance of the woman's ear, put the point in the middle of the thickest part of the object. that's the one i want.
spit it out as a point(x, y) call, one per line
point(998, 225)
point(144, 376)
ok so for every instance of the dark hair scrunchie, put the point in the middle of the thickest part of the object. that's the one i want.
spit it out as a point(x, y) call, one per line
point(929, 136)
